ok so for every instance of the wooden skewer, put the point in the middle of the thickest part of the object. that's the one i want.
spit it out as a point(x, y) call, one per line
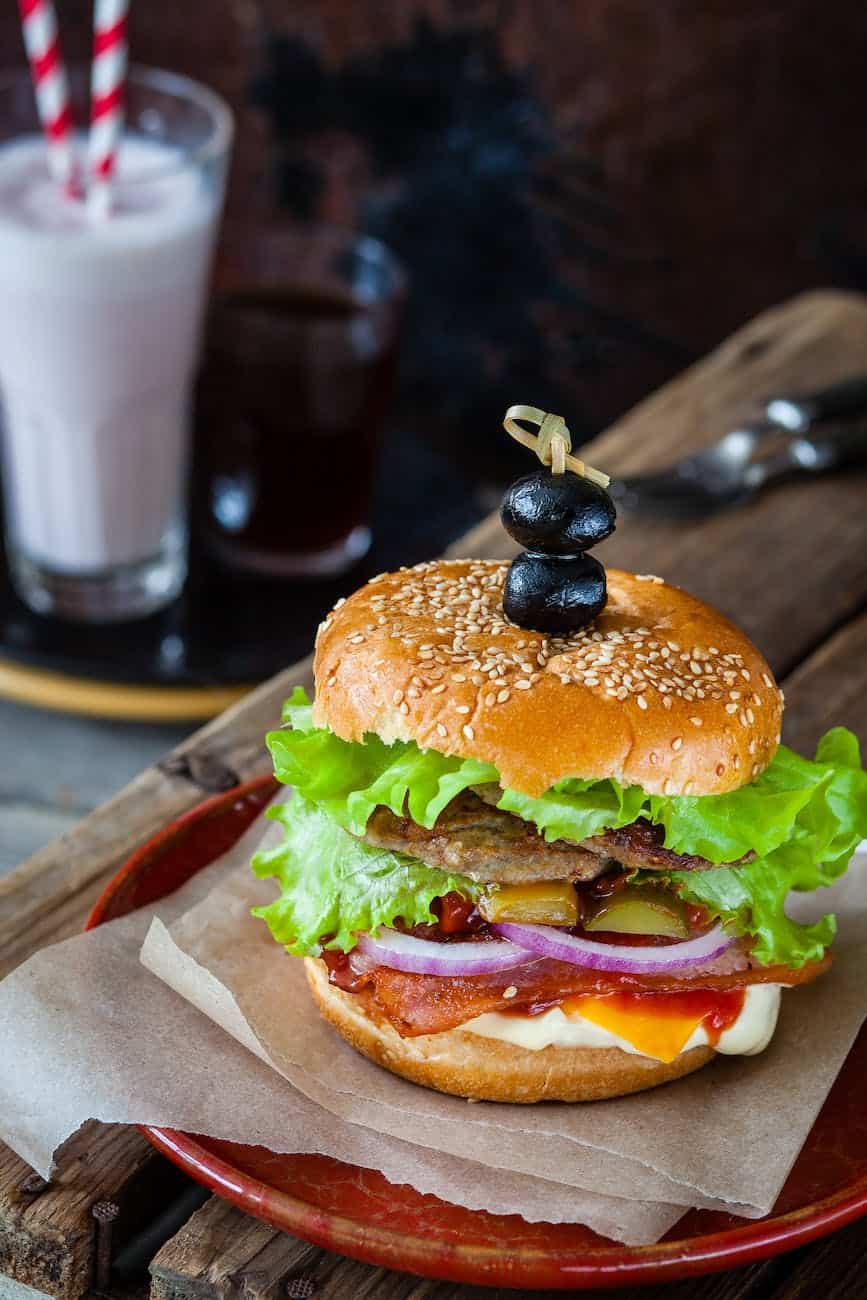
point(552, 444)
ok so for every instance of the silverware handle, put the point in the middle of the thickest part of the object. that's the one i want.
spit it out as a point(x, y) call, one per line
point(800, 412)
point(836, 445)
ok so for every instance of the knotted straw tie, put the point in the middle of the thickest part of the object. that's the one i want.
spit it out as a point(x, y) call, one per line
point(552, 444)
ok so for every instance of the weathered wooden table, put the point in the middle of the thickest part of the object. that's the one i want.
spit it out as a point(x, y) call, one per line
point(792, 568)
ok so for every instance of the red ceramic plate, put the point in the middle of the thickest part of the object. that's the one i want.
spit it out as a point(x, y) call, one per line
point(357, 1212)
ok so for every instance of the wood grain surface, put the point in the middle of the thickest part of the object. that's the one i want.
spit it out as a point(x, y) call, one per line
point(791, 567)
point(47, 1231)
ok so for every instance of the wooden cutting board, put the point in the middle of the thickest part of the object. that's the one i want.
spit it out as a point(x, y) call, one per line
point(791, 568)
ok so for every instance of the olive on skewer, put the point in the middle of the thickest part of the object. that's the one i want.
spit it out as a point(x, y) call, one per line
point(557, 513)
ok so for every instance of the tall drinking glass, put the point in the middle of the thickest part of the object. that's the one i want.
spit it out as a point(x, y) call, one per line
point(100, 326)
point(299, 373)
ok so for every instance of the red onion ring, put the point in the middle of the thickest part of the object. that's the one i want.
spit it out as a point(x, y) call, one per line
point(548, 941)
point(426, 957)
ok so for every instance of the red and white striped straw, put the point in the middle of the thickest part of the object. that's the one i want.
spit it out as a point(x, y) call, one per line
point(39, 25)
point(108, 81)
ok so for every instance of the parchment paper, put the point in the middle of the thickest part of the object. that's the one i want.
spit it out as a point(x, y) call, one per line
point(88, 1033)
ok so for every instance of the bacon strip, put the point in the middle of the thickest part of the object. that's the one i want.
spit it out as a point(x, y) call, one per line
point(431, 1004)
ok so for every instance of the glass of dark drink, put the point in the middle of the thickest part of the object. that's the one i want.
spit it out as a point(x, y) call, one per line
point(299, 371)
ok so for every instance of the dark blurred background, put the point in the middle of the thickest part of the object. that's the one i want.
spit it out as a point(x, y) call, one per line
point(587, 196)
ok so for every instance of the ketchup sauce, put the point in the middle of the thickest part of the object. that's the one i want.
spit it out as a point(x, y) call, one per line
point(456, 914)
point(342, 973)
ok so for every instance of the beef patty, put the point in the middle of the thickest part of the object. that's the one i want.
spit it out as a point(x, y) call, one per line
point(478, 840)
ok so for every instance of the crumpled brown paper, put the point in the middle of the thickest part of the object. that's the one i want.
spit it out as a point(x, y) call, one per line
point(88, 1033)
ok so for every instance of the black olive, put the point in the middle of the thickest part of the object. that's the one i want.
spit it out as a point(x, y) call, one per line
point(560, 514)
point(553, 593)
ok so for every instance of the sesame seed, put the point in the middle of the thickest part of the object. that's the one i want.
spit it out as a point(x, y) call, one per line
point(510, 992)
point(397, 697)
point(654, 757)
point(677, 743)
point(755, 769)
point(441, 729)
point(448, 615)
point(462, 708)
point(768, 681)
point(468, 731)
point(649, 577)
point(731, 708)
point(696, 721)
point(667, 786)
point(688, 787)
point(503, 695)
point(356, 639)
point(404, 708)
point(720, 769)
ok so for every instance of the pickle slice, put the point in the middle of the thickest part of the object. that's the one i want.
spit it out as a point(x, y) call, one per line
point(644, 909)
point(546, 902)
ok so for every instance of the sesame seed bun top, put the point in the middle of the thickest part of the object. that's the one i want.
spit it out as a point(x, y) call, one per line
point(660, 691)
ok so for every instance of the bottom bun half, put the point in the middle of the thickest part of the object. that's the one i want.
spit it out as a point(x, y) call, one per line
point(486, 1069)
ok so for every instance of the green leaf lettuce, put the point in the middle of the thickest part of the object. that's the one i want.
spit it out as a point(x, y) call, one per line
point(751, 898)
point(803, 819)
point(334, 887)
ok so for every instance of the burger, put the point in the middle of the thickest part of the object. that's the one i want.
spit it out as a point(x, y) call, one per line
point(521, 865)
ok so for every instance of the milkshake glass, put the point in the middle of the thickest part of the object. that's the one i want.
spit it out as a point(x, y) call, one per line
point(100, 329)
